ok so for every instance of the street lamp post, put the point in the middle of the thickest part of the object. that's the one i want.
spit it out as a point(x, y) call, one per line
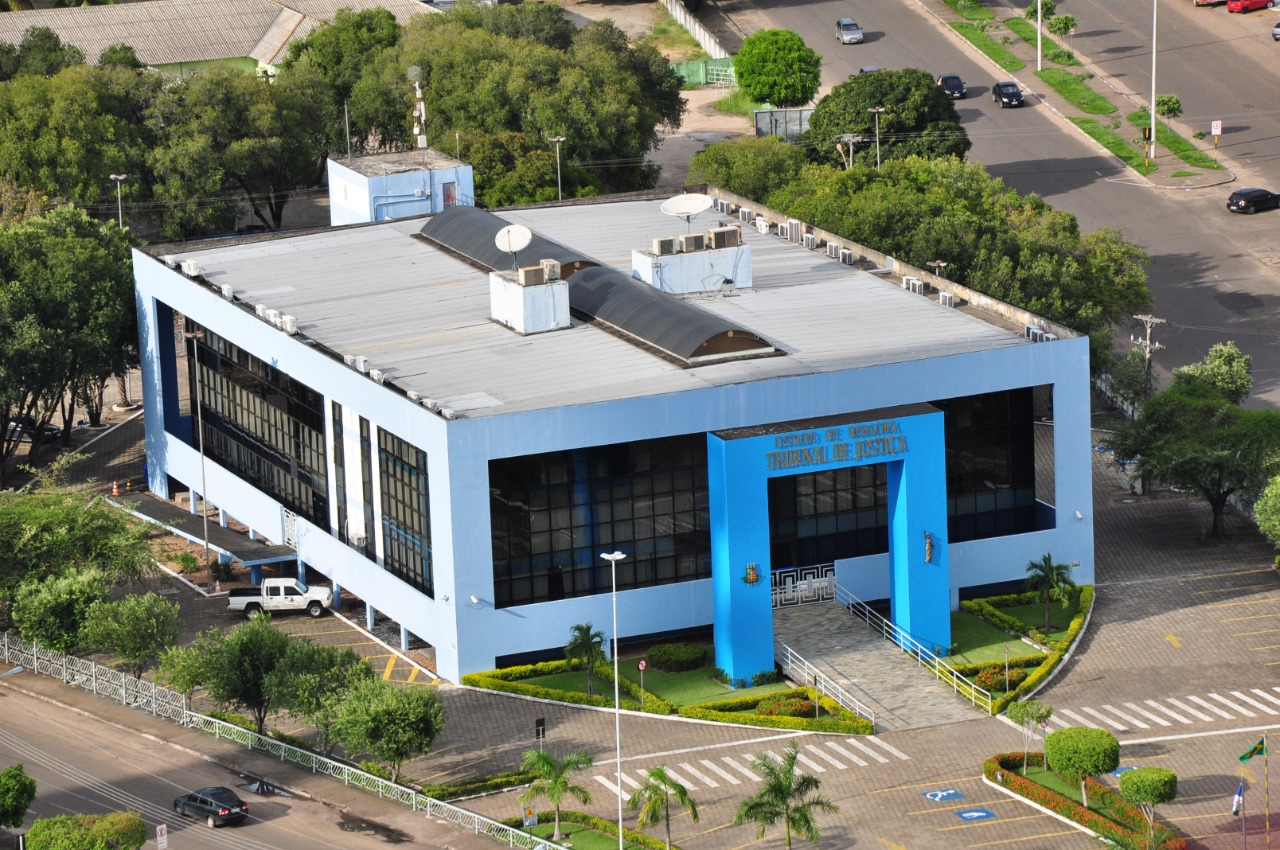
point(558, 140)
point(613, 558)
point(1039, 37)
point(937, 266)
point(1153, 78)
point(119, 178)
point(876, 110)
point(204, 507)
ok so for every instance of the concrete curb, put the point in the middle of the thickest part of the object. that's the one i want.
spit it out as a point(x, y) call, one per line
point(1021, 799)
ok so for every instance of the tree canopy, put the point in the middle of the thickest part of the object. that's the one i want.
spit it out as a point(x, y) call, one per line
point(1080, 752)
point(114, 831)
point(41, 53)
point(553, 780)
point(753, 167)
point(137, 629)
point(919, 119)
point(778, 68)
point(1226, 369)
point(391, 723)
point(17, 790)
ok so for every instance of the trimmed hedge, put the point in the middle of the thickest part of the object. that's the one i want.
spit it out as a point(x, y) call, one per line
point(1128, 828)
point(507, 680)
point(477, 785)
point(599, 825)
point(677, 657)
point(731, 710)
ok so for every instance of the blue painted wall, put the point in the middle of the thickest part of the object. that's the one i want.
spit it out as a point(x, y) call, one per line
point(355, 198)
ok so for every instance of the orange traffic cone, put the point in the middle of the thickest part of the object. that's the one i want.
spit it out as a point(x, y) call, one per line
point(115, 488)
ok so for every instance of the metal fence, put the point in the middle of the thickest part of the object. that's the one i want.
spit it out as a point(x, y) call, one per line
point(935, 665)
point(704, 71)
point(787, 124)
point(802, 585)
point(795, 668)
point(163, 702)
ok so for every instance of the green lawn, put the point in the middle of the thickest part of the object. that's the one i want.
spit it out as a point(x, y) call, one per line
point(577, 835)
point(1175, 144)
point(1185, 173)
point(671, 39)
point(689, 688)
point(1059, 617)
point(994, 51)
point(1077, 91)
point(737, 103)
point(1049, 48)
point(971, 10)
point(1107, 137)
point(978, 641)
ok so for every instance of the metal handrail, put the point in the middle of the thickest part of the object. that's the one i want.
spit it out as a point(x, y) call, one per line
point(791, 662)
point(889, 631)
point(161, 701)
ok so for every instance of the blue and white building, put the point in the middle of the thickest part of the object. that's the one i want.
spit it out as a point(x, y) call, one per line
point(456, 434)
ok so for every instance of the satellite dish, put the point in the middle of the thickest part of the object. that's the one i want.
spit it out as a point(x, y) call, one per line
point(686, 206)
point(513, 238)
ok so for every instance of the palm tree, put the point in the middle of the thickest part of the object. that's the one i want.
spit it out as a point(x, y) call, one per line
point(552, 779)
point(1050, 581)
point(653, 798)
point(586, 646)
point(786, 796)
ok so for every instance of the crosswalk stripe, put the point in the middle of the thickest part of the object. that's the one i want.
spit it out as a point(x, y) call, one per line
point(1059, 721)
point(613, 789)
point(1147, 714)
point(720, 771)
point(1106, 720)
point(1229, 704)
point(702, 777)
point(1077, 718)
point(850, 756)
point(1211, 707)
point(729, 760)
point(885, 746)
point(855, 742)
point(1261, 706)
point(813, 766)
point(1132, 720)
point(1158, 707)
point(677, 777)
point(1265, 695)
point(817, 751)
point(627, 780)
point(1199, 715)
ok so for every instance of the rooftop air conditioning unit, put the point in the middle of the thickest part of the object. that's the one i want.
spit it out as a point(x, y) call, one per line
point(289, 324)
point(1048, 337)
point(745, 215)
point(429, 403)
point(228, 291)
point(914, 284)
point(1033, 333)
point(412, 395)
point(663, 247)
point(762, 224)
point(357, 539)
point(260, 310)
point(947, 299)
point(191, 268)
point(796, 229)
point(169, 260)
point(273, 316)
point(448, 413)
point(376, 376)
point(784, 230)
point(833, 250)
point(722, 237)
point(550, 269)
point(531, 275)
point(350, 360)
point(846, 257)
point(362, 364)
point(810, 240)
point(690, 242)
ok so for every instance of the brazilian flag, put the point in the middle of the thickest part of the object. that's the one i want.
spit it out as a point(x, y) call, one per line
point(1258, 749)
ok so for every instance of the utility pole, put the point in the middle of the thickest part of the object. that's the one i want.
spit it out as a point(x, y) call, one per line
point(1149, 348)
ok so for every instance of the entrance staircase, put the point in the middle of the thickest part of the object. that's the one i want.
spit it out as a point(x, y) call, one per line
point(901, 689)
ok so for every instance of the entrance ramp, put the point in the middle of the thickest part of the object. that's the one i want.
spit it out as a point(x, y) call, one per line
point(901, 693)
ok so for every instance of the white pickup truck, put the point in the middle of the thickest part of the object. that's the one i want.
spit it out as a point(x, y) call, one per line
point(281, 594)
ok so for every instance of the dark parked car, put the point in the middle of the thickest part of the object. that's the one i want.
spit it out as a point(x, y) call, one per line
point(217, 806)
point(1006, 94)
point(1275, 33)
point(23, 427)
point(953, 85)
point(1249, 201)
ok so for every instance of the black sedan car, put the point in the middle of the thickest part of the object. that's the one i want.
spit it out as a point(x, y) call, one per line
point(1006, 94)
point(1249, 201)
point(953, 86)
point(216, 805)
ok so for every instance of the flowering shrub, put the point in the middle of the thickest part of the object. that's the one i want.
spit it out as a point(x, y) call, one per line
point(744, 711)
point(993, 678)
point(677, 657)
point(785, 705)
point(507, 680)
point(1127, 826)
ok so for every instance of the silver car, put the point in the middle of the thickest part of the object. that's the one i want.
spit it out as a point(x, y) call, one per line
point(848, 31)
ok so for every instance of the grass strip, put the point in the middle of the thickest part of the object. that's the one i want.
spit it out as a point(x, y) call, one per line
point(977, 36)
point(669, 38)
point(1052, 51)
point(1172, 142)
point(738, 103)
point(1106, 137)
point(971, 10)
point(1077, 91)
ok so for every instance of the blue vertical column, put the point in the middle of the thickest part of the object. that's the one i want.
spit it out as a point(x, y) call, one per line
point(921, 577)
point(739, 502)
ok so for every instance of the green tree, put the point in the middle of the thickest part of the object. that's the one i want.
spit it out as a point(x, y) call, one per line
point(752, 167)
point(776, 67)
point(1049, 581)
point(1061, 24)
point(919, 119)
point(654, 797)
point(233, 667)
point(1190, 435)
point(1168, 105)
point(114, 831)
point(137, 629)
point(17, 790)
point(391, 723)
point(1129, 381)
point(1266, 511)
point(787, 796)
point(1224, 368)
point(313, 680)
point(51, 611)
point(343, 48)
point(1028, 714)
point(1081, 752)
point(1147, 787)
point(553, 780)
point(586, 647)
point(121, 56)
point(41, 53)
point(1045, 9)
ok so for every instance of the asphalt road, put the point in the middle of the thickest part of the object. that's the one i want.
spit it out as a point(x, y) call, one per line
point(1214, 274)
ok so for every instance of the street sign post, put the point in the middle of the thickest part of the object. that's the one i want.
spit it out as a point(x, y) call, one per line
point(641, 665)
point(1215, 130)
point(162, 837)
point(540, 731)
point(1006, 668)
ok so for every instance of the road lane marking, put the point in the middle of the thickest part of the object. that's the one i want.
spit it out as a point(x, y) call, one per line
point(850, 756)
point(1229, 704)
point(934, 784)
point(677, 777)
point(1199, 715)
point(613, 789)
point(1259, 632)
point(1265, 695)
point(1208, 733)
point(1019, 840)
point(1147, 714)
point(817, 751)
point(1206, 704)
point(1130, 720)
point(813, 766)
point(1106, 720)
point(1077, 718)
point(1158, 707)
point(627, 780)
point(884, 745)
point(693, 771)
point(740, 768)
point(719, 771)
point(867, 750)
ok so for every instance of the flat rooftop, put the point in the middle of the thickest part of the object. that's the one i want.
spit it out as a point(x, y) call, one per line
point(422, 316)
point(398, 162)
